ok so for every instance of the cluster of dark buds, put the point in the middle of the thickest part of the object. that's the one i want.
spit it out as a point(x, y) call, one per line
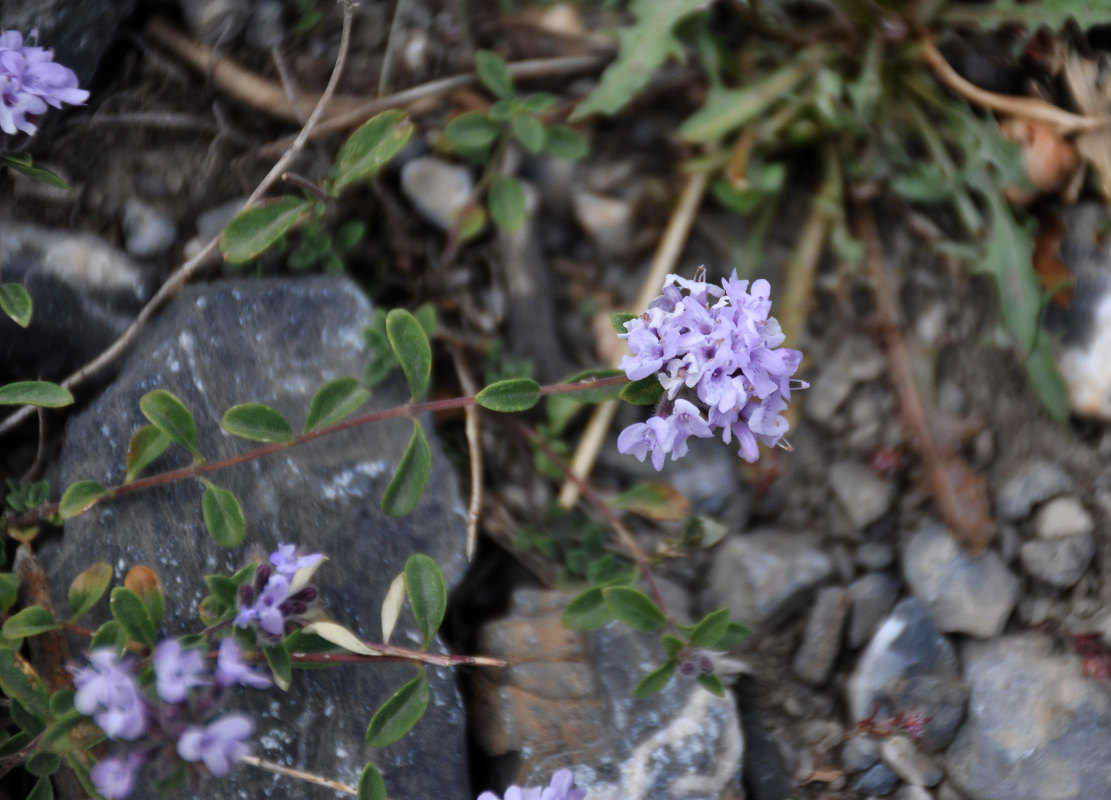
point(182, 715)
point(280, 592)
point(30, 81)
point(562, 787)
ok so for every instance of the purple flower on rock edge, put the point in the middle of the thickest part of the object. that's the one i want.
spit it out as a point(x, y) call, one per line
point(177, 670)
point(231, 670)
point(562, 787)
point(266, 609)
point(716, 353)
point(108, 692)
point(30, 81)
point(286, 561)
point(219, 744)
point(115, 777)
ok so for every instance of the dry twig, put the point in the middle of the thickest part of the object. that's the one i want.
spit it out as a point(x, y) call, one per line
point(474, 448)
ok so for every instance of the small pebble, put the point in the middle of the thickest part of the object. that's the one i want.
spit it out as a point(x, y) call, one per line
point(910, 763)
point(147, 231)
point(1034, 483)
point(1063, 517)
point(874, 556)
point(879, 779)
point(821, 641)
point(859, 753)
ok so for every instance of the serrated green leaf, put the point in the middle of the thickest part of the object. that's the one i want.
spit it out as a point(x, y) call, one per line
point(9, 590)
point(587, 392)
point(223, 516)
point(147, 444)
point(408, 483)
point(508, 396)
point(30, 621)
point(634, 608)
point(21, 163)
point(726, 110)
point(35, 393)
point(529, 131)
point(411, 346)
point(80, 497)
point(712, 684)
point(370, 148)
point(15, 301)
point(494, 73)
point(472, 132)
point(564, 142)
point(281, 665)
point(87, 588)
point(1009, 261)
point(655, 680)
point(399, 713)
point(371, 784)
point(507, 203)
point(257, 422)
point(254, 231)
point(1051, 13)
point(588, 611)
point(167, 413)
point(710, 629)
point(427, 590)
point(644, 392)
point(644, 46)
point(131, 613)
point(335, 400)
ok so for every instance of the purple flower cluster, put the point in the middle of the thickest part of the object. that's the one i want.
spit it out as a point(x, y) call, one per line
point(716, 352)
point(280, 591)
point(562, 787)
point(175, 718)
point(29, 82)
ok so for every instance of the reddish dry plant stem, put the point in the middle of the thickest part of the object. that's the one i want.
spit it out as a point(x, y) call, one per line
point(407, 410)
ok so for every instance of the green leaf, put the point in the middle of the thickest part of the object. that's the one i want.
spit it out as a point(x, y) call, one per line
point(507, 203)
point(144, 581)
point(515, 394)
point(1051, 13)
point(277, 657)
point(644, 392)
point(710, 629)
point(80, 497)
point(131, 613)
point(726, 110)
point(257, 422)
point(619, 318)
point(410, 345)
point(31, 621)
point(712, 684)
point(223, 516)
point(529, 131)
point(21, 162)
point(43, 765)
point(564, 142)
point(654, 500)
point(43, 790)
point(334, 401)
point(672, 645)
point(427, 590)
point(1045, 377)
point(254, 231)
point(588, 611)
point(15, 301)
point(644, 46)
point(165, 412)
point(539, 102)
point(110, 634)
point(634, 608)
point(734, 636)
point(409, 482)
point(371, 784)
point(147, 444)
point(494, 73)
point(426, 316)
point(587, 392)
point(9, 590)
point(35, 393)
point(472, 131)
point(61, 703)
point(400, 713)
point(87, 588)
point(370, 148)
point(20, 682)
point(655, 680)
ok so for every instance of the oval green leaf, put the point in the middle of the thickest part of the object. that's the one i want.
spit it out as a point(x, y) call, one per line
point(471, 132)
point(587, 612)
point(31, 621)
point(15, 301)
point(529, 131)
point(336, 400)
point(80, 497)
point(655, 680)
point(147, 444)
point(507, 203)
point(408, 483)
point(110, 634)
point(411, 346)
point(43, 790)
point(131, 613)
point(494, 73)
point(88, 587)
point(277, 658)
point(371, 784)
point(400, 713)
point(257, 422)
point(9, 590)
point(253, 231)
point(223, 516)
point(634, 608)
point(567, 143)
point(369, 148)
point(164, 411)
point(711, 628)
point(35, 393)
point(514, 394)
point(427, 590)
point(588, 392)
point(644, 392)
point(671, 645)
point(712, 684)
point(734, 636)
point(654, 500)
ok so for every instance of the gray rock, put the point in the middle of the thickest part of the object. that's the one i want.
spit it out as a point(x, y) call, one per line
point(872, 597)
point(963, 594)
point(829, 389)
point(874, 556)
point(567, 692)
point(821, 641)
point(932, 707)
point(1062, 517)
point(437, 189)
point(909, 763)
point(863, 495)
point(879, 779)
point(912, 793)
point(765, 576)
point(1032, 484)
point(1060, 562)
point(860, 752)
point(608, 221)
point(276, 341)
point(217, 21)
point(1036, 727)
point(147, 231)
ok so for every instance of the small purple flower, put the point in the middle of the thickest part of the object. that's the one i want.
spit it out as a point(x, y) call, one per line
point(286, 561)
point(177, 670)
point(107, 691)
point(29, 82)
point(267, 607)
point(115, 777)
point(231, 670)
point(562, 787)
point(219, 744)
